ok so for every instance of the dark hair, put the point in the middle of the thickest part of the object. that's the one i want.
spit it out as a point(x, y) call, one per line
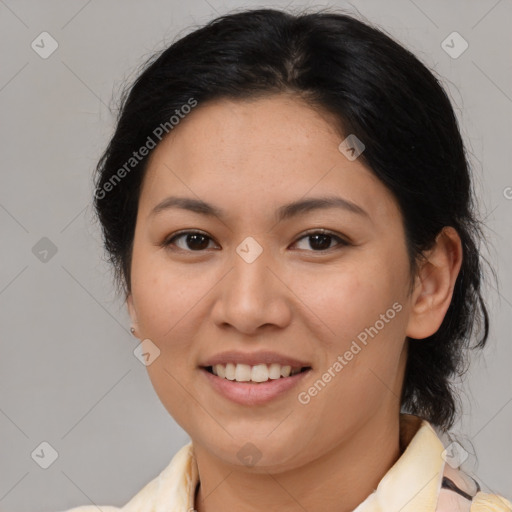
point(375, 89)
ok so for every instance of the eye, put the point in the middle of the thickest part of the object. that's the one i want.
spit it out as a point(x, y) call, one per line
point(320, 240)
point(195, 240)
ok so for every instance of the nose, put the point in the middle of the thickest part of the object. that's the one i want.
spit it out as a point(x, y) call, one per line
point(253, 295)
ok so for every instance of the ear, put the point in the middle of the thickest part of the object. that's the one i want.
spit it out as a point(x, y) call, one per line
point(131, 311)
point(433, 289)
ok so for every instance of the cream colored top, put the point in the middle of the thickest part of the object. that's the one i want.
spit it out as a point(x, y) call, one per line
point(415, 483)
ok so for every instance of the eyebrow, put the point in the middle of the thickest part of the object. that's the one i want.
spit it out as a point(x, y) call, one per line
point(286, 211)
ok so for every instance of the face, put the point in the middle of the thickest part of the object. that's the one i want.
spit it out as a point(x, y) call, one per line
point(326, 286)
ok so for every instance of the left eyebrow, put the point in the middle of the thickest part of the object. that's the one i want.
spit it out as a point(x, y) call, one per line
point(287, 211)
point(303, 206)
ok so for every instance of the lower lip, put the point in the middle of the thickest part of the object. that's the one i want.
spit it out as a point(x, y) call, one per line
point(245, 393)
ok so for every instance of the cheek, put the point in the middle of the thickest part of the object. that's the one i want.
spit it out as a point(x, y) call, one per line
point(347, 298)
point(360, 315)
point(362, 322)
point(168, 303)
point(165, 293)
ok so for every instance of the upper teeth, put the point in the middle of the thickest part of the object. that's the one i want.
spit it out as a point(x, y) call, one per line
point(257, 373)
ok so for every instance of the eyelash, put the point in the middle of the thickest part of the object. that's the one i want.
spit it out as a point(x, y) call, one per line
point(341, 241)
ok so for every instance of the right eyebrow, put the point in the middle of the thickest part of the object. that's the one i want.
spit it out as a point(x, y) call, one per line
point(299, 207)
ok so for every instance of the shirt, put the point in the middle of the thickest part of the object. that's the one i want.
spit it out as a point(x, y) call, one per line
point(421, 480)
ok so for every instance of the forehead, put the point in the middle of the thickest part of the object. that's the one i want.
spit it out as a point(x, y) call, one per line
point(258, 154)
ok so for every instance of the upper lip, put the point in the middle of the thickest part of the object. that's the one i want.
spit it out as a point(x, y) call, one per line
point(254, 358)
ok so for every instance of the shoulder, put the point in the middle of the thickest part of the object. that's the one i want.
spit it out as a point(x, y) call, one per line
point(172, 486)
point(484, 502)
point(93, 508)
point(462, 493)
point(143, 501)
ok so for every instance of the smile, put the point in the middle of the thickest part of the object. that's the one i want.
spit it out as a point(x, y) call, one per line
point(247, 391)
point(254, 373)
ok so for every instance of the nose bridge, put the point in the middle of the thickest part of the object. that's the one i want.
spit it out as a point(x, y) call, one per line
point(251, 273)
point(252, 295)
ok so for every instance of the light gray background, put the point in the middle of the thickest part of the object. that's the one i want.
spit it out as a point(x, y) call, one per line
point(68, 375)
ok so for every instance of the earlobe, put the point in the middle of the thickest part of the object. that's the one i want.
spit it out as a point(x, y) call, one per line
point(434, 284)
point(131, 310)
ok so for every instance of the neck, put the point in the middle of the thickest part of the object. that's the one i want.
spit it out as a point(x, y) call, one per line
point(338, 481)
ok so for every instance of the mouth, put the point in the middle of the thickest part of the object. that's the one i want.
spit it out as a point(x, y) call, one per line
point(254, 385)
point(257, 374)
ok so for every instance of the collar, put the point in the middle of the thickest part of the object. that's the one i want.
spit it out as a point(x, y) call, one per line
point(412, 484)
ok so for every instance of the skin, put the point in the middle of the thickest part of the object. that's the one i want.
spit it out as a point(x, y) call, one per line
point(249, 158)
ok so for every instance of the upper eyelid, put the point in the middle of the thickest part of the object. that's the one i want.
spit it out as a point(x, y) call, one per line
point(342, 240)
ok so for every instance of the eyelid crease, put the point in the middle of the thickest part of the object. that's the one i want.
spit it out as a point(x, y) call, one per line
point(343, 240)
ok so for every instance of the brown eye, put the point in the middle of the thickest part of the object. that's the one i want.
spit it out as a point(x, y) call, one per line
point(193, 241)
point(321, 240)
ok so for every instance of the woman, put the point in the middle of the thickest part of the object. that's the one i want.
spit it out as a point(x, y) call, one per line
point(289, 213)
